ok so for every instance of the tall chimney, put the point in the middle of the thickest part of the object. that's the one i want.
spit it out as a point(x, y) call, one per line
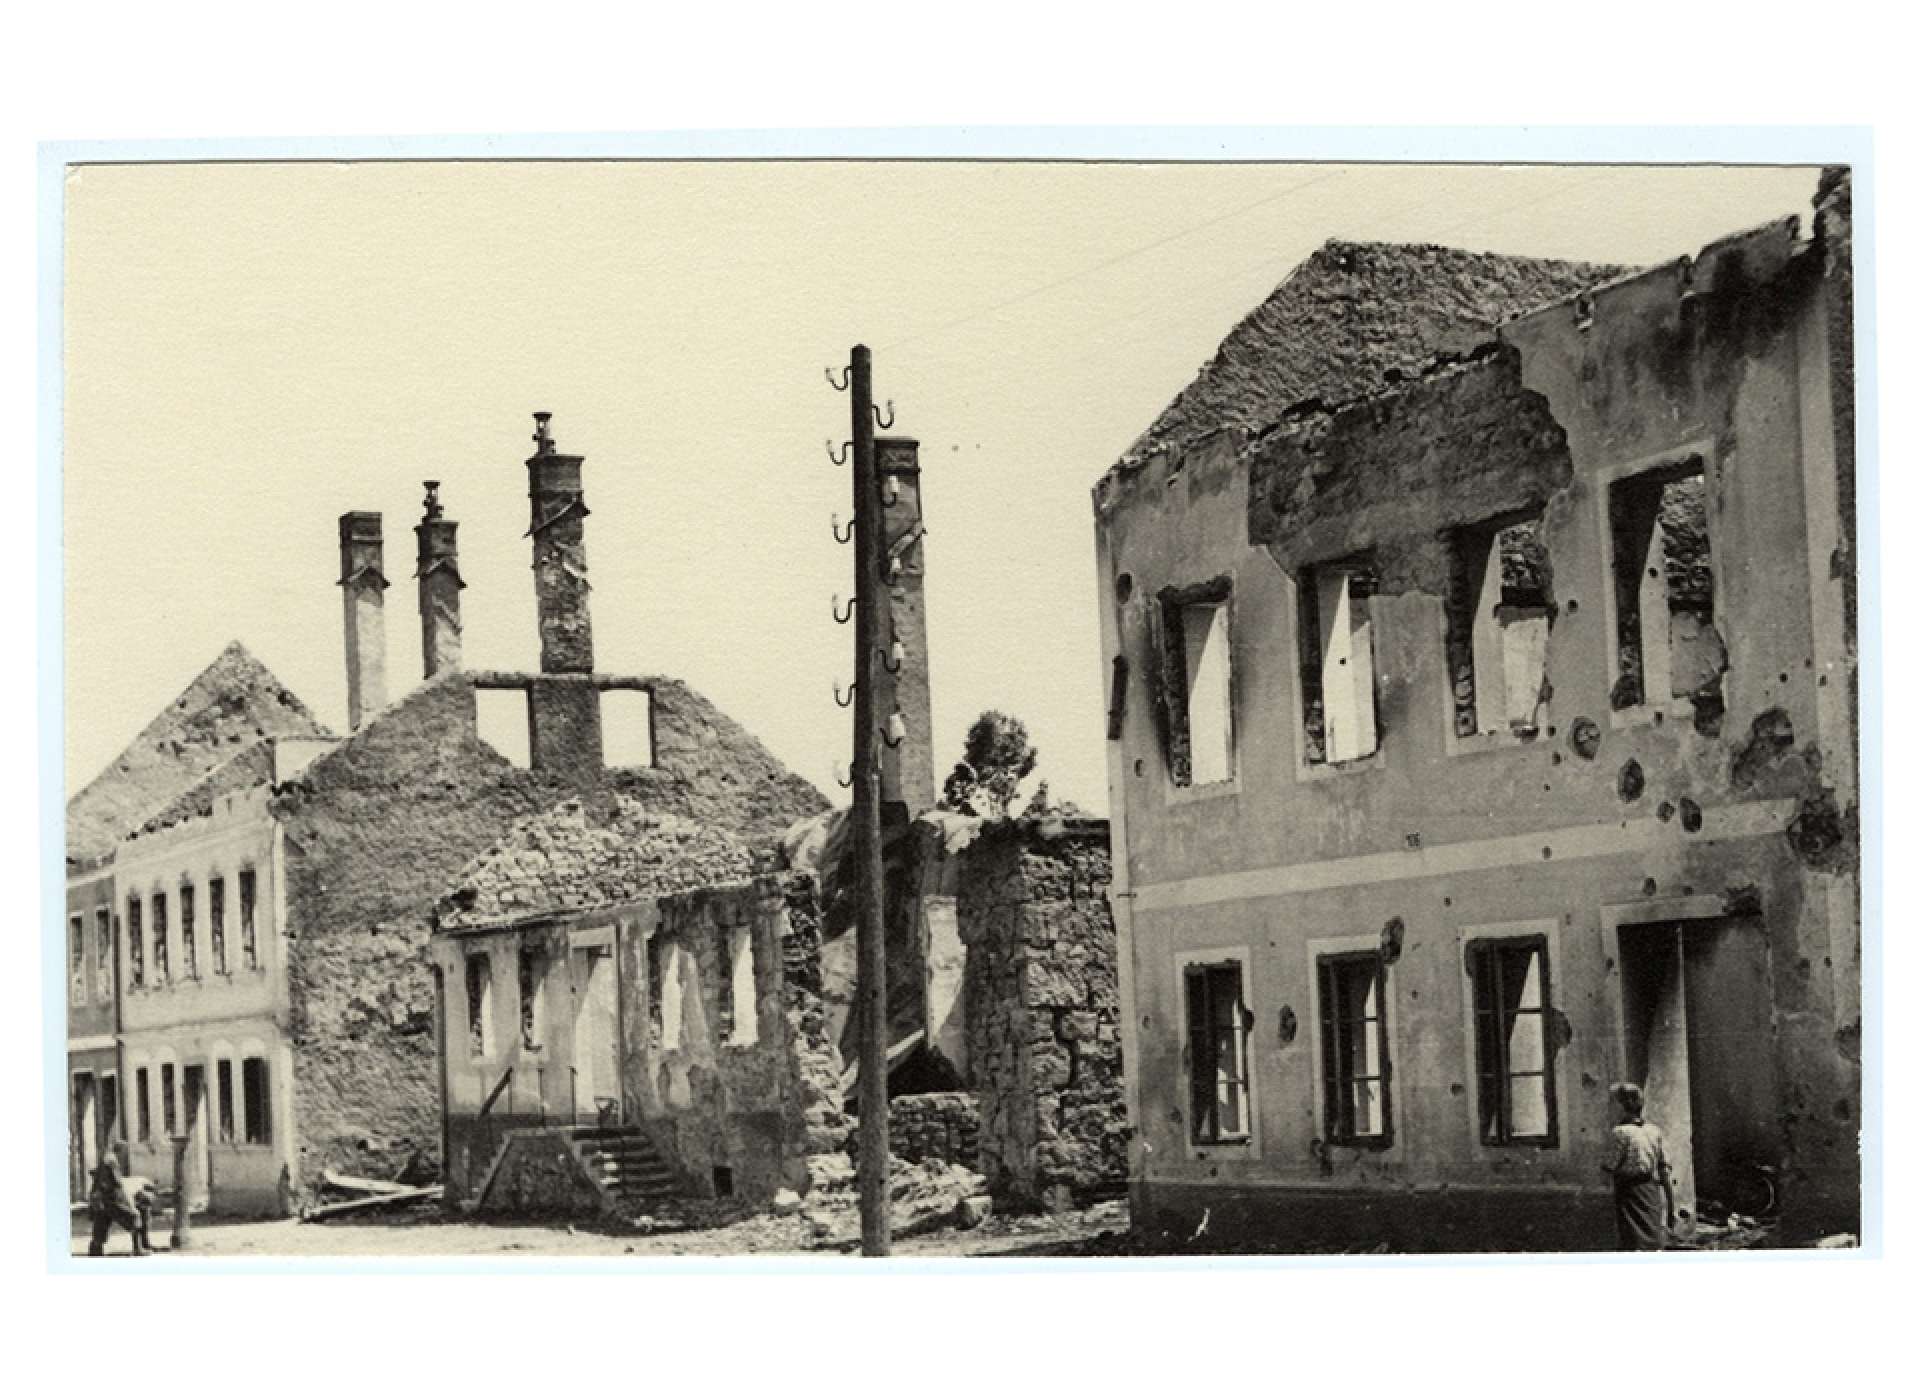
point(559, 554)
point(362, 586)
point(563, 706)
point(906, 771)
point(438, 571)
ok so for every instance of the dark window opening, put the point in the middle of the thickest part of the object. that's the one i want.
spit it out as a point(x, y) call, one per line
point(656, 1017)
point(224, 1087)
point(189, 948)
point(249, 942)
point(136, 946)
point(479, 1004)
point(160, 941)
point(1217, 1020)
point(143, 1104)
point(169, 1119)
point(1666, 645)
point(1499, 613)
point(1196, 682)
point(532, 999)
point(217, 923)
point(104, 934)
point(723, 1181)
point(1357, 1074)
point(255, 1090)
point(76, 959)
point(1335, 628)
point(1513, 1043)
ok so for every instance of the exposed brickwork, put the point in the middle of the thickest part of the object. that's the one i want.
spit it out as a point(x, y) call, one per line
point(377, 830)
point(589, 853)
point(927, 1127)
point(1042, 1002)
point(1346, 319)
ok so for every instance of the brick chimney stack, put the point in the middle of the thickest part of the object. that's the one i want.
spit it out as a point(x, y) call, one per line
point(438, 572)
point(563, 705)
point(906, 772)
point(362, 591)
point(559, 554)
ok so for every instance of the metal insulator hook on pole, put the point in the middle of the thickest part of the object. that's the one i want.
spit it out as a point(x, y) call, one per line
point(844, 617)
point(840, 384)
point(887, 422)
point(844, 698)
point(839, 458)
point(842, 537)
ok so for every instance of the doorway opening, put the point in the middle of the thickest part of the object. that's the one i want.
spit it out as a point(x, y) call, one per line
point(1697, 1005)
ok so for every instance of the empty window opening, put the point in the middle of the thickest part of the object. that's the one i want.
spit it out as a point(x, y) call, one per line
point(626, 728)
point(136, 946)
point(1666, 645)
point(224, 1088)
point(656, 975)
point(169, 1118)
point(142, 1105)
point(742, 1015)
point(1196, 678)
point(217, 923)
point(258, 1098)
point(249, 940)
point(1499, 612)
point(1353, 1048)
point(76, 960)
point(479, 1005)
point(533, 998)
point(673, 998)
point(103, 937)
point(109, 1109)
point(503, 719)
point(189, 944)
point(1336, 661)
point(1512, 1043)
point(1217, 1019)
point(160, 950)
point(723, 1181)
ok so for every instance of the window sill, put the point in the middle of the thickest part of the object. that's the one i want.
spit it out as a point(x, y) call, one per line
point(1493, 741)
point(1178, 796)
point(1638, 716)
point(1329, 771)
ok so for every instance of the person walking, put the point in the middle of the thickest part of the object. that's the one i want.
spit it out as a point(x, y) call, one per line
point(110, 1203)
point(1643, 1208)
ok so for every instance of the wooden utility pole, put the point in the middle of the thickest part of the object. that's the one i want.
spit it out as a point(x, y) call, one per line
point(870, 935)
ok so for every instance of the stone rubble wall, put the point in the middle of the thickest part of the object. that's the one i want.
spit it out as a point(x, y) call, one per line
point(1043, 1010)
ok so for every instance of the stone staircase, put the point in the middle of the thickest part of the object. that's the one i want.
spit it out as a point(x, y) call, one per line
point(631, 1174)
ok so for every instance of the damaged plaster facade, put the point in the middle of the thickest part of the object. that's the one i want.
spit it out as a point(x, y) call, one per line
point(1484, 734)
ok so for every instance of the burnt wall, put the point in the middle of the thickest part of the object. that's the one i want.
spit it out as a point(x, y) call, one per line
point(1468, 443)
point(1042, 1011)
point(709, 1097)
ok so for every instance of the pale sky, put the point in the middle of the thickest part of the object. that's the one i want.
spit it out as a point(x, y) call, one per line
point(252, 350)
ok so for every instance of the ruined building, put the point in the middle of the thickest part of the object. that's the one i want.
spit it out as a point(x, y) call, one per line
point(1482, 682)
point(274, 883)
point(636, 1009)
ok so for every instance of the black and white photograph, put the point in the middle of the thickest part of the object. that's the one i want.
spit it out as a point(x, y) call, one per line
point(1108, 709)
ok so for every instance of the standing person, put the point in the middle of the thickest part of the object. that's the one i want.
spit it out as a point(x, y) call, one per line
point(1643, 1209)
point(109, 1203)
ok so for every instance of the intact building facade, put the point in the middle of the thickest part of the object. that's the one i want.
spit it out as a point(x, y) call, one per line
point(1482, 734)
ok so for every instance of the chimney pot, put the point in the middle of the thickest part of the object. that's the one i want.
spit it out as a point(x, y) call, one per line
point(438, 578)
